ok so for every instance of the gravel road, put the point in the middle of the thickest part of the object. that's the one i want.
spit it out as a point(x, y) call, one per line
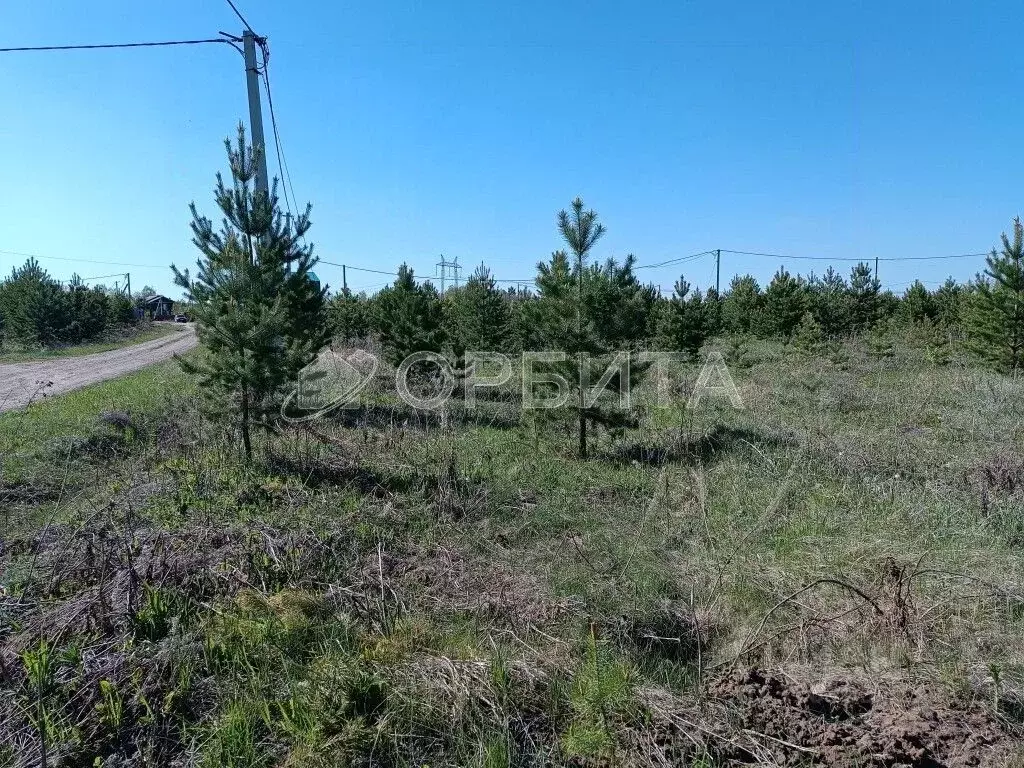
point(20, 383)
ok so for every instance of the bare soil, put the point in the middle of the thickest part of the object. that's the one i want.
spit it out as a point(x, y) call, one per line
point(843, 723)
point(23, 383)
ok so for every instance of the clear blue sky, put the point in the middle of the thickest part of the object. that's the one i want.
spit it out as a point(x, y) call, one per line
point(421, 128)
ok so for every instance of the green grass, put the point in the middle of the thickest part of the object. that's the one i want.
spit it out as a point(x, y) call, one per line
point(126, 338)
point(58, 459)
point(407, 593)
point(26, 432)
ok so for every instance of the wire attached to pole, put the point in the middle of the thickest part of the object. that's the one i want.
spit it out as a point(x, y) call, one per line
point(113, 45)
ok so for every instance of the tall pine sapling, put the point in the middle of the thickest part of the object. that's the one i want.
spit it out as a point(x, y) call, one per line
point(259, 317)
point(569, 327)
point(34, 307)
point(349, 316)
point(581, 231)
point(995, 318)
point(627, 309)
point(830, 303)
point(949, 304)
point(918, 304)
point(938, 342)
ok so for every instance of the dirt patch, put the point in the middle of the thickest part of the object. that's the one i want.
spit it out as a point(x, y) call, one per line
point(841, 723)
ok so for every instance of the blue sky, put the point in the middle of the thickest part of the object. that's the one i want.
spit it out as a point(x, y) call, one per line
point(416, 129)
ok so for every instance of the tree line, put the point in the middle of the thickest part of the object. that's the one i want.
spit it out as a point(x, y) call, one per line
point(37, 310)
point(987, 313)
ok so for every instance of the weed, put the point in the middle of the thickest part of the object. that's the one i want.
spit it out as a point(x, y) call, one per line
point(601, 693)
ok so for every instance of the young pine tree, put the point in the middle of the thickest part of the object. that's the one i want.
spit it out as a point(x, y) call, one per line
point(995, 318)
point(785, 301)
point(948, 301)
point(34, 307)
point(570, 328)
point(478, 315)
point(830, 304)
point(864, 298)
point(407, 317)
point(259, 317)
point(349, 316)
point(687, 320)
point(625, 309)
point(581, 231)
point(881, 338)
point(917, 305)
point(742, 305)
point(938, 342)
point(808, 338)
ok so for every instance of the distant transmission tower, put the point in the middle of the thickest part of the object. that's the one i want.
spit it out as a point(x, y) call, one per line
point(454, 268)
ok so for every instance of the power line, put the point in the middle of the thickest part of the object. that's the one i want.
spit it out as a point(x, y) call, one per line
point(242, 18)
point(846, 258)
point(679, 260)
point(285, 182)
point(371, 287)
point(359, 269)
point(908, 283)
point(114, 45)
point(395, 274)
point(82, 261)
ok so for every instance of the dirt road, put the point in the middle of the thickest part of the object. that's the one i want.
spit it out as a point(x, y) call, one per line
point(21, 383)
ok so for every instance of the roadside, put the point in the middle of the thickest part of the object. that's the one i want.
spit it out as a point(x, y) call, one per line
point(150, 332)
point(23, 382)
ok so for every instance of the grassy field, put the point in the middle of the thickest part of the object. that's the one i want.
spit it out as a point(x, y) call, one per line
point(830, 575)
point(123, 338)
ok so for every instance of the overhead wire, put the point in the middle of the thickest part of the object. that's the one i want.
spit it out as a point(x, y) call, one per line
point(289, 189)
point(846, 258)
point(242, 18)
point(102, 277)
point(83, 261)
point(679, 260)
point(282, 158)
point(285, 182)
point(99, 46)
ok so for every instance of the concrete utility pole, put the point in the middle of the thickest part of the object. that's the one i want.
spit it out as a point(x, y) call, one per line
point(875, 276)
point(252, 76)
point(718, 271)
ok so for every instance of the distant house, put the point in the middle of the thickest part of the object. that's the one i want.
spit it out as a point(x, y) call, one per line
point(158, 307)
